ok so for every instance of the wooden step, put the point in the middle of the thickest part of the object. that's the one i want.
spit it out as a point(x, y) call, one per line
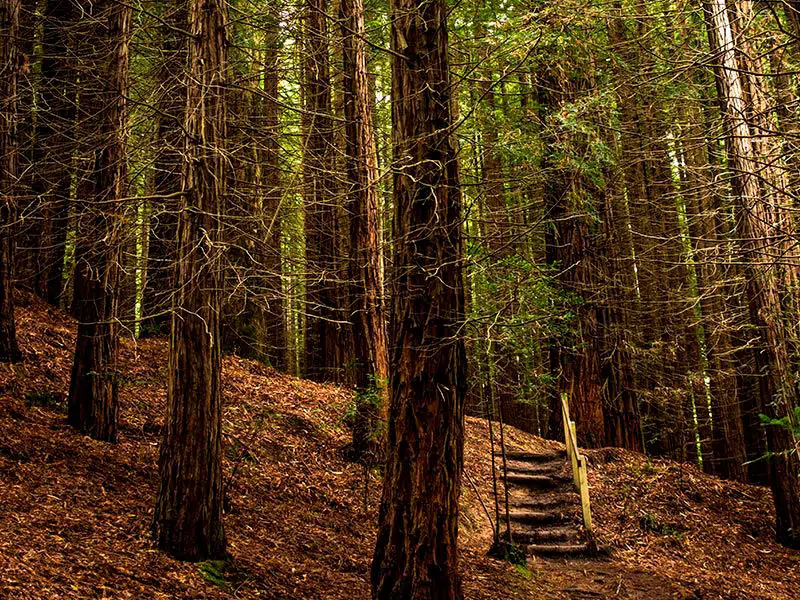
point(548, 535)
point(534, 457)
point(538, 517)
point(535, 469)
point(585, 549)
point(567, 499)
point(539, 482)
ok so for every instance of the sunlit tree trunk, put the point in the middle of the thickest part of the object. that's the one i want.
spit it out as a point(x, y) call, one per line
point(728, 442)
point(274, 326)
point(757, 227)
point(366, 285)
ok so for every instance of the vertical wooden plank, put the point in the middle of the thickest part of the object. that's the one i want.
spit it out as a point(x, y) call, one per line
point(583, 486)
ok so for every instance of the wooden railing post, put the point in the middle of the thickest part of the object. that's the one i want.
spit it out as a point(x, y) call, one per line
point(578, 463)
point(569, 436)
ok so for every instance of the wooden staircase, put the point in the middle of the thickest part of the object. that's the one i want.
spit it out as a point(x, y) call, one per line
point(548, 507)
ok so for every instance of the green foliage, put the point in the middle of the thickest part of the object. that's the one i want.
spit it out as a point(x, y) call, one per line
point(790, 424)
point(523, 571)
point(213, 571)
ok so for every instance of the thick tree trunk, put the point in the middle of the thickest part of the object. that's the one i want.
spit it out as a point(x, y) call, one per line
point(93, 386)
point(322, 329)
point(366, 285)
point(757, 227)
point(620, 402)
point(9, 173)
point(188, 514)
point(571, 249)
point(416, 554)
point(161, 252)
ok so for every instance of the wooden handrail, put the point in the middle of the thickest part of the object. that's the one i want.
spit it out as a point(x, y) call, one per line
point(578, 462)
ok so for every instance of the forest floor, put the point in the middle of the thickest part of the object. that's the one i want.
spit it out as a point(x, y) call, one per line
point(75, 514)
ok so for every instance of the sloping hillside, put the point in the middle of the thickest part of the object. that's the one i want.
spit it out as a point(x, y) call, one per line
point(75, 513)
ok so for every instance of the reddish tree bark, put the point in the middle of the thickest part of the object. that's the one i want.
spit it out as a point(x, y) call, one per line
point(416, 552)
point(161, 253)
point(188, 515)
point(322, 294)
point(571, 249)
point(55, 145)
point(92, 399)
point(366, 286)
point(757, 227)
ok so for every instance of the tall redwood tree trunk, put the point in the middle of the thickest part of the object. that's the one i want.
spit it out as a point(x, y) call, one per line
point(570, 247)
point(93, 387)
point(757, 227)
point(366, 286)
point(274, 324)
point(416, 551)
point(705, 227)
point(188, 514)
point(9, 155)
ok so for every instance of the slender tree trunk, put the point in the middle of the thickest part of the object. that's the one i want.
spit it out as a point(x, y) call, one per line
point(161, 252)
point(665, 364)
point(366, 285)
point(729, 451)
point(9, 174)
point(322, 329)
point(55, 143)
point(756, 225)
point(188, 514)
point(93, 386)
point(30, 222)
point(274, 326)
point(416, 554)
point(497, 232)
